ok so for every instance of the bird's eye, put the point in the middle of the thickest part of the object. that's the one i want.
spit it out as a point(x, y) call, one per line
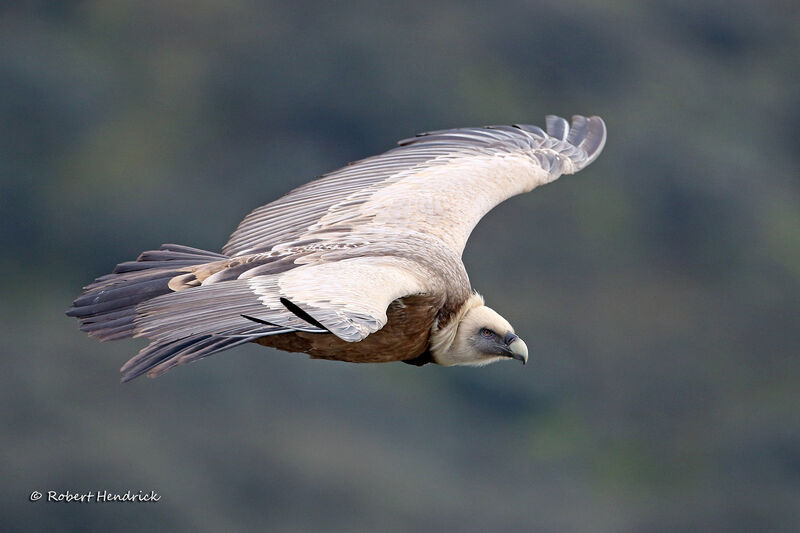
point(486, 332)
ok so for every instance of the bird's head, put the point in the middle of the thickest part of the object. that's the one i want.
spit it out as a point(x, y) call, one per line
point(482, 337)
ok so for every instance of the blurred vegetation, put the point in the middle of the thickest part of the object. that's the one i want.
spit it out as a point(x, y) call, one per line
point(659, 290)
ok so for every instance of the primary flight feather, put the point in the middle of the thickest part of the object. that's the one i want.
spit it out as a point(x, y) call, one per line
point(361, 265)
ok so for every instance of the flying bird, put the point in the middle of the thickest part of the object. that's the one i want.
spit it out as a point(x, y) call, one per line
point(362, 265)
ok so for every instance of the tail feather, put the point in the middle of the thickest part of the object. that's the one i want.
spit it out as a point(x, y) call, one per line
point(105, 297)
point(107, 308)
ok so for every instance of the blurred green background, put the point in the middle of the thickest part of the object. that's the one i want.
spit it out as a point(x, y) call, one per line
point(659, 290)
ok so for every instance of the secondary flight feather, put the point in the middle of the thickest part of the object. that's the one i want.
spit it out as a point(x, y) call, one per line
point(361, 265)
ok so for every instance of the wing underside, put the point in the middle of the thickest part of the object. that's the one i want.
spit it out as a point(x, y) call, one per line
point(440, 182)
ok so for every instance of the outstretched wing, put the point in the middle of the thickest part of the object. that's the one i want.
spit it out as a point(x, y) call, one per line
point(347, 298)
point(439, 183)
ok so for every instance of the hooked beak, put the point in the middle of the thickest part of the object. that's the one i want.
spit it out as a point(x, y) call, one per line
point(517, 348)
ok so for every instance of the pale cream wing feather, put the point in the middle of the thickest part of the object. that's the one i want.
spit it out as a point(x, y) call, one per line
point(439, 184)
point(348, 298)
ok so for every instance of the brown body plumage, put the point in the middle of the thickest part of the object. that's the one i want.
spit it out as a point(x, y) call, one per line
point(362, 265)
point(404, 337)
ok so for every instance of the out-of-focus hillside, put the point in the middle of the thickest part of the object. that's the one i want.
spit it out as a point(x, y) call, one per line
point(659, 290)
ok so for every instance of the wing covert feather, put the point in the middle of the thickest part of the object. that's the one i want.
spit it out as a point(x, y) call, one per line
point(349, 298)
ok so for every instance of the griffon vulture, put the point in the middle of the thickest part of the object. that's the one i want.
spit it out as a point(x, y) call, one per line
point(362, 265)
